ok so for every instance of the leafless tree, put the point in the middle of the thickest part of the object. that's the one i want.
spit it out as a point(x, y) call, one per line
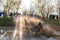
point(49, 10)
point(11, 6)
point(45, 11)
point(58, 6)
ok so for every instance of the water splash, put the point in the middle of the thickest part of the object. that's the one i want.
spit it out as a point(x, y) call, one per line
point(21, 29)
point(18, 32)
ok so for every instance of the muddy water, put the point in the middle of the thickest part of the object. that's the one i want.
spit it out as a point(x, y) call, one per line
point(9, 37)
point(30, 37)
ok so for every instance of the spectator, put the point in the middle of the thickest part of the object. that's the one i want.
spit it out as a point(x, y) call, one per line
point(1, 14)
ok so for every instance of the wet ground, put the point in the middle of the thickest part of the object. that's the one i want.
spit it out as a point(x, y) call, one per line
point(30, 38)
point(8, 36)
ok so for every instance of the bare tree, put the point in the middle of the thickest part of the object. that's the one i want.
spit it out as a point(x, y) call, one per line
point(41, 9)
point(11, 6)
point(49, 10)
point(45, 11)
point(6, 8)
point(39, 1)
point(58, 6)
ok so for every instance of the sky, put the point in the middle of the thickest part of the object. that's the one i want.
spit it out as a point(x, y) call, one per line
point(27, 4)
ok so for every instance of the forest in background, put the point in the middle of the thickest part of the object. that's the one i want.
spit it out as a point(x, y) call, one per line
point(41, 8)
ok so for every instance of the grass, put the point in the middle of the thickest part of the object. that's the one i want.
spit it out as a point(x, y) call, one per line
point(6, 21)
point(53, 22)
point(9, 22)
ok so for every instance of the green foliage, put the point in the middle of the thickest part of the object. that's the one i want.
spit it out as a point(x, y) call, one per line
point(6, 22)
